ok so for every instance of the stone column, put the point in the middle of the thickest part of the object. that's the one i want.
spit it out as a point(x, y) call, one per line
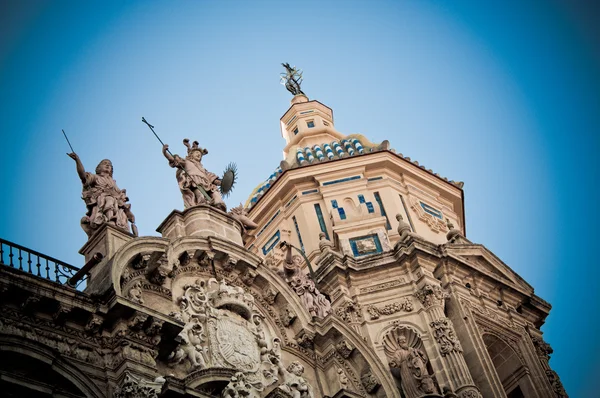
point(433, 299)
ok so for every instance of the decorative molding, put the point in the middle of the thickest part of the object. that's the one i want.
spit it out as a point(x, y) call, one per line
point(405, 304)
point(445, 336)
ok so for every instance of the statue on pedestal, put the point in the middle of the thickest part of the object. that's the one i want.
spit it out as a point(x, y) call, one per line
point(197, 185)
point(412, 363)
point(105, 202)
point(315, 302)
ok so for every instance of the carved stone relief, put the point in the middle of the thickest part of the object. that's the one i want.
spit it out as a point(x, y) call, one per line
point(445, 336)
point(134, 387)
point(430, 295)
point(405, 304)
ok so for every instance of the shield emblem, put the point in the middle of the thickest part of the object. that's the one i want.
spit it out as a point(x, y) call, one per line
point(229, 178)
point(237, 345)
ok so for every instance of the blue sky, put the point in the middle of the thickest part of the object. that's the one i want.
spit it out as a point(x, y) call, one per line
point(501, 95)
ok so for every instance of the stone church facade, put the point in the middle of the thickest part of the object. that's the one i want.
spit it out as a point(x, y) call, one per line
point(346, 274)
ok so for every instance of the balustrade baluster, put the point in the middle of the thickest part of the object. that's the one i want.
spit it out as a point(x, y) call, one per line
point(1, 253)
point(56, 272)
point(20, 260)
point(47, 269)
point(29, 263)
point(38, 266)
point(11, 256)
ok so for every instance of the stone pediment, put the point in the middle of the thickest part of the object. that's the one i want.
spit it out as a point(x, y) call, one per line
point(486, 262)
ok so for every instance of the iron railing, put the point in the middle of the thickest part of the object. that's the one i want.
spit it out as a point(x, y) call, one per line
point(35, 263)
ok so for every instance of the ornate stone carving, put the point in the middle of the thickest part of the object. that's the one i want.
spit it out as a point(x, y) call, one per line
point(158, 276)
point(248, 276)
point(238, 387)
point(29, 303)
point(430, 295)
point(557, 387)
point(542, 348)
point(94, 324)
point(105, 202)
point(405, 304)
point(349, 311)
point(135, 293)
point(241, 214)
point(382, 286)
point(141, 261)
point(469, 392)
point(344, 348)
point(136, 323)
point(293, 381)
point(405, 352)
point(270, 295)
point(369, 381)
point(305, 340)
point(316, 304)
point(342, 378)
point(287, 315)
point(61, 313)
point(154, 328)
point(134, 387)
point(193, 179)
point(445, 336)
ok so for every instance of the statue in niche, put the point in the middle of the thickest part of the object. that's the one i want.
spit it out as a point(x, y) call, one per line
point(105, 202)
point(412, 364)
point(193, 178)
point(315, 302)
point(293, 382)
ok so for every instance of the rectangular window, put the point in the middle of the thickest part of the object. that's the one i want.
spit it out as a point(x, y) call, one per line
point(271, 243)
point(296, 131)
point(310, 124)
point(382, 209)
point(341, 180)
point(342, 213)
point(325, 123)
point(361, 199)
point(298, 232)
point(321, 220)
point(334, 204)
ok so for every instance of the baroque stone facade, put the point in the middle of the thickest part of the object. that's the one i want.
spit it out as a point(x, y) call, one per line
point(385, 297)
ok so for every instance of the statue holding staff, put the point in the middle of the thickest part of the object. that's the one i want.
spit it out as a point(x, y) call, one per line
point(197, 185)
point(105, 202)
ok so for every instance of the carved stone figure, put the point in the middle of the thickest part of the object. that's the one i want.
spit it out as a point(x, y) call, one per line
point(411, 362)
point(241, 214)
point(105, 202)
point(342, 378)
point(192, 177)
point(135, 293)
point(445, 336)
point(316, 303)
point(293, 382)
point(238, 387)
point(192, 338)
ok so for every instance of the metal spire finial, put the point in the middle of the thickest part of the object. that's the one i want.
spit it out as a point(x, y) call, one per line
point(292, 79)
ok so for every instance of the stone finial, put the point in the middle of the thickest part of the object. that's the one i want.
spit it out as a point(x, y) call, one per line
point(454, 235)
point(324, 243)
point(403, 228)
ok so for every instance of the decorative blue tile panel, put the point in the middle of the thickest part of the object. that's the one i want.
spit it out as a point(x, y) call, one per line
point(342, 213)
point(321, 220)
point(382, 209)
point(370, 207)
point(267, 224)
point(341, 180)
point(364, 245)
point(309, 192)
point(334, 203)
point(431, 210)
point(271, 243)
point(298, 232)
point(361, 198)
point(375, 178)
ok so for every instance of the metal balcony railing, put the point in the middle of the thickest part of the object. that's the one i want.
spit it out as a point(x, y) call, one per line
point(34, 263)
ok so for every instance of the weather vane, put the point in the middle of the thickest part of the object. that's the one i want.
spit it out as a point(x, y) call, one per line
point(292, 79)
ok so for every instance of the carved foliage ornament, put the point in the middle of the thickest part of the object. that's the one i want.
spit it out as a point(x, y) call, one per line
point(445, 336)
point(134, 387)
point(430, 295)
point(405, 304)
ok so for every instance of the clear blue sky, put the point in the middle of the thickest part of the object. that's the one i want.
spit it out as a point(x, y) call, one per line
point(501, 95)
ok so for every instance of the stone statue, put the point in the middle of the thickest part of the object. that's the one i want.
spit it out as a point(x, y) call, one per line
point(105, 202)
point(238, 387)
point(293, 382)
point(342, 378)
point(403, 227)
point(192, 177)
point(241, 214)
point(324, 243)
point(411, 362)
point(315, 302)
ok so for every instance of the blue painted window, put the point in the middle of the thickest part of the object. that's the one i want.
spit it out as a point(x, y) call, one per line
point(271, 243)
point(268, 223)
point(321, 220)
point(375, 179)
point(431, 210)
point(298, 232)
point(309, 192)
point(382, 209)
point(342, 213)
point(334, 203)
point(370, 207)
point(296, 131)
point(310, 124)
point(341, 180)
point(361, 198)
